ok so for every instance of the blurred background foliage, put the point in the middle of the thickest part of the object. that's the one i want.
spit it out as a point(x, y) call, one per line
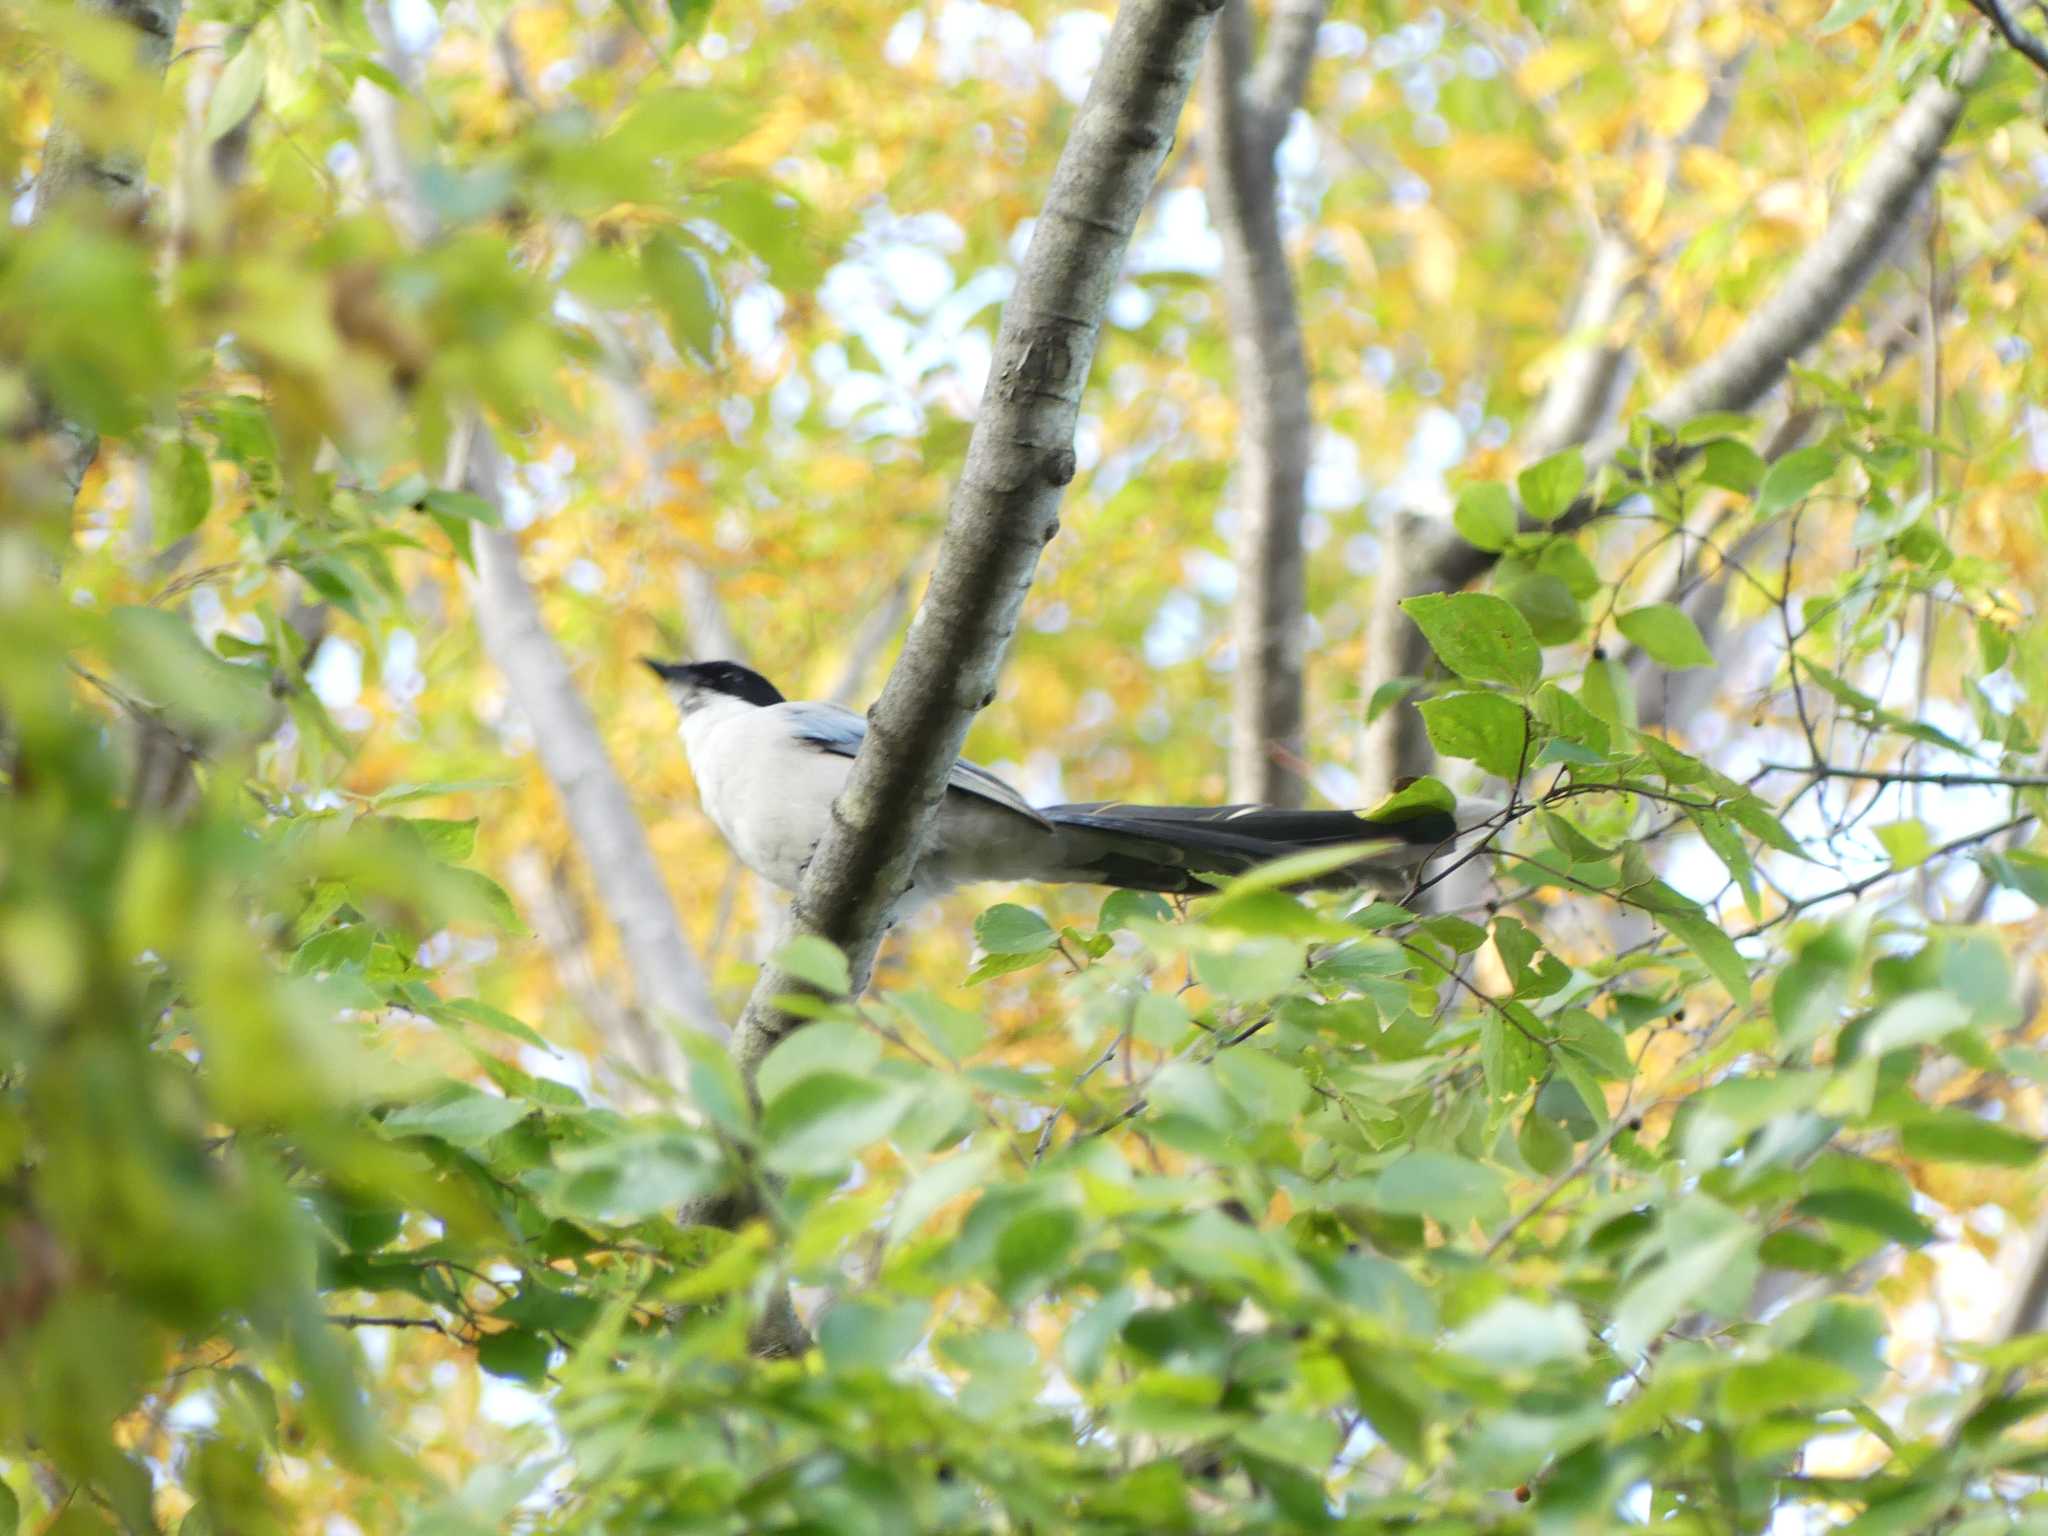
point(1679, 1176)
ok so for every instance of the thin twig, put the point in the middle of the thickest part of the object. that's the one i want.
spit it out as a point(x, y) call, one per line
point(2023, 42)
point(1901, 776)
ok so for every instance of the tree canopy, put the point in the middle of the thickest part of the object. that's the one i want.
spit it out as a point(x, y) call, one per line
point(1631, 414)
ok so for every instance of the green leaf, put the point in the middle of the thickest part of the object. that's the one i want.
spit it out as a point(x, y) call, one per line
point(1032, 1250)
point(1518, 1335)
point(1485, 516)
point(681, 285)
point(1788, 481)
point(1731, 465)
point(1915, 1019)
point(236, 92)
point(1393, 1414)
point(163, 660)
point(817, 962)
point(450, 841)
point(467, 1010)
point(1719, 834)
point(1425, 796)
point(2019, 871)
point(475, 895)
point(1250, 971)
point(1510, 1059)
point(859, 1335)
point(1085, 1346)
point(1870, 1210)
point(1666, 636)
point(824, 1045)
point(957, 1032)
point(1544, 1144)
point(1705, 938)
point(1756, 1388)
point(1606, 692)
point(1008, 929)
point(1517, 947)
point(992, 966)
point(1453, 1190)
point(1905, 842)
point(689, 17)
point(1479, 636)
point(716, 1089)
point(183, 487)
point(458, 1115)
point(768, 220)
point(1790, 1248)
point(10, 1511)
point(1597, 1041)
point(1845, 13)
point(464, 505)
point(515, 1354)
point(935, 1186)
point(1565, 715)
point(1547, 603)
point(401, 794)
point(1660, 1295)
point(1761, 823)
point(1809, 993)
point(1265, 1087)
point(823, 1119)
point(1490, 729)
point(1120, 909)
point(1957, 1136)
point(1550, 486)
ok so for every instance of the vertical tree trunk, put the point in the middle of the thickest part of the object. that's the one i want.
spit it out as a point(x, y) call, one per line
point(1269, 614)
point(668, 982)
point(1005, 508)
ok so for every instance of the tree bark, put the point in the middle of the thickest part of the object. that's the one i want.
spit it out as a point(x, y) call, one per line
point(1006, 506)
point(1248, 107)
point(668, 982)
point(1803, 308)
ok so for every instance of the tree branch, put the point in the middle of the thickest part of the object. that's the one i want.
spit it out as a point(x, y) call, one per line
point(1247, 117)
point(668, 982)
point(667, 979)
point(1895, 776)
point(2024, 42)
point(1588, 385)
point(1802, 309)
point(1006, 506)
point(1276, 85)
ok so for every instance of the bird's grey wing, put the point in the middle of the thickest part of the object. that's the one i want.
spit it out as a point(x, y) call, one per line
point(830, 728)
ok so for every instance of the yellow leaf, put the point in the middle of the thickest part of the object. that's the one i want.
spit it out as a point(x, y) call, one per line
point(1498, 159)
point(1644, 205)
point(1556, 65)
point(1646, 20)
point(1675, 101)
point(1435, 259)
point(1717, 178)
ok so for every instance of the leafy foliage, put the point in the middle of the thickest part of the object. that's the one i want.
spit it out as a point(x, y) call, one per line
point(1601, 1175)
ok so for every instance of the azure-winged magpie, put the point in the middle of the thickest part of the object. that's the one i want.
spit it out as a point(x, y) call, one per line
point(769, 768)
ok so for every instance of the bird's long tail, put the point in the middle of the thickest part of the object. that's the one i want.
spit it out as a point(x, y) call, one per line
point(1195, 848)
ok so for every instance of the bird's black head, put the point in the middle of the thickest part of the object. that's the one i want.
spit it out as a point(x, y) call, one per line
point(691, 681)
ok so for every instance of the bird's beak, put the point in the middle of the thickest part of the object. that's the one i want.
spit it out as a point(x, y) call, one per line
point(665, 670)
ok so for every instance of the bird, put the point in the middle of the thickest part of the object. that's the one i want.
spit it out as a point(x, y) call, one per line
point(768, 769)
